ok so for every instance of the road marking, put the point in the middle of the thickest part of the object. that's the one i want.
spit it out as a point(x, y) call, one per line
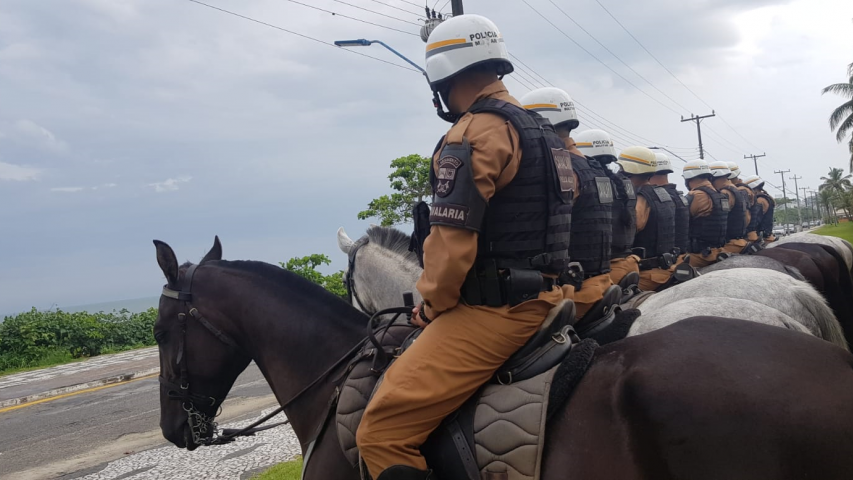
point(66, 395)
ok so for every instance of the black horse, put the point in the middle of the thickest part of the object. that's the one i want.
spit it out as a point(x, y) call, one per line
point(705, 398)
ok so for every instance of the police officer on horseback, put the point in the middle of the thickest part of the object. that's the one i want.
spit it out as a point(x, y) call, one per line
point(655, 238)
point(709, 214)
point(592, 215)
point(663, 169)
point(760, 228)
point(500, 221)
point(738, 217)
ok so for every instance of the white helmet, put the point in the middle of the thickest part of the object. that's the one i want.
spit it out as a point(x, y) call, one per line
point(662, 164)
point(462, 42)
point(695, 169)
point(596, 144)
point(554, 104)
point(637, 161)
point(734, 169)
point(753, 182)
point(720, 169)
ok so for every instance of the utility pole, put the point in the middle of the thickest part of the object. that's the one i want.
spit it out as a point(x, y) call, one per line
point(799, 208)
point(456, 5)
point(784, 195)
point(754, 160)
point(808, 203)
point(698, 120)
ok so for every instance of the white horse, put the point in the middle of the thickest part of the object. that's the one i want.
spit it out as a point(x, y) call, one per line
point(381, 269)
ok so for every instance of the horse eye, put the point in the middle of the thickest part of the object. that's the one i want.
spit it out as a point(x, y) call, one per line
point(159, 337)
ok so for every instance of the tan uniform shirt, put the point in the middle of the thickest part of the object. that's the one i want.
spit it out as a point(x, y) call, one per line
point(449, 252)
point(643, 213)
point(765, 205)
point(719, 184)
point(749, 193)
point(702, 206)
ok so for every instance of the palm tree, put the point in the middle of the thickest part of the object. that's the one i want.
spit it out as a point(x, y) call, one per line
point(842, 118)
point(836, 181)
point(825, 198)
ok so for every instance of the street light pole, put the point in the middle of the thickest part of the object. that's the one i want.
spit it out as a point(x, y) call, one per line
point(669, 151)
point(366, 43)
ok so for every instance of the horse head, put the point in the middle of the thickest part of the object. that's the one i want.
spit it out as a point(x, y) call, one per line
point(380, 268)
point(199, 360)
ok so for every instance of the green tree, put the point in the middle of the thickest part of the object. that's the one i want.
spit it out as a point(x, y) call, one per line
point(841, 119)
point(410, 182)
point(306, 267)
point(838, 184)
point(825, 198)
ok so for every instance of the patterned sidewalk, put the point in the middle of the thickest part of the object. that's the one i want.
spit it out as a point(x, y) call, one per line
point(239, 460)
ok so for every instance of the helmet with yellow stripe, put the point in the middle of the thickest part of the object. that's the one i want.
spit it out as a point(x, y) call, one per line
point(637, 161)
point(697, 169)
point(596, 144)
point(754, 182)
point(734, 169)
point(719, 169)
point(554, 104)
point(662, 164)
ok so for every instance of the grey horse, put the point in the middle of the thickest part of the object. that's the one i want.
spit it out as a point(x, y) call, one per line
point(759, 295)
point(752, 261)
point(843, 247)
point(381, 269)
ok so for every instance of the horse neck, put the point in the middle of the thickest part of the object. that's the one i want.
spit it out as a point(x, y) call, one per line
point(383, 276)
point(294, 333)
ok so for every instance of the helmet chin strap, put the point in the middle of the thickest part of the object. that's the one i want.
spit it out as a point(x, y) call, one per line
point(446, 116)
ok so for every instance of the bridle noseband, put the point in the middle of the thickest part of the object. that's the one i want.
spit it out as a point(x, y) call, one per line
point(350, 276)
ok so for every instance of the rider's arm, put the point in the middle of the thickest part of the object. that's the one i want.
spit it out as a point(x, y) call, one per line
point(449, 252)
point(701, 205)
point(643, 211)
point(765, 205)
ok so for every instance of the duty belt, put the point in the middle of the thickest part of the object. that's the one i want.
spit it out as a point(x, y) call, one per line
point(664, 262)
point(486, 285)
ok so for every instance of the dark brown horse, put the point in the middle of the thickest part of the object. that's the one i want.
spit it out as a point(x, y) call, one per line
point(705, 398)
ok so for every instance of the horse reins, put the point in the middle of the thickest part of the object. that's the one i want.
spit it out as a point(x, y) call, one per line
point(350, 283)
point(200, 423)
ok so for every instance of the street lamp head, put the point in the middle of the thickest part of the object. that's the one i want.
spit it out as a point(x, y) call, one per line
point(353, 43)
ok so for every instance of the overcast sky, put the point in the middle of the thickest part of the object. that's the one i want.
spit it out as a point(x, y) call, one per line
point(122, 121)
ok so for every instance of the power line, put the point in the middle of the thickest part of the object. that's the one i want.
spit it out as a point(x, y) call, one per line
point(617, 57)
point(397, 8)
point(353, 18)
point(302, 35)
point(413, 3)
point(598, 59)
point(378, 13)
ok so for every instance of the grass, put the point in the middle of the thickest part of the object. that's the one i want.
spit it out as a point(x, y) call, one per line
point(283, 471)
point(56, 357)
point(842, 230)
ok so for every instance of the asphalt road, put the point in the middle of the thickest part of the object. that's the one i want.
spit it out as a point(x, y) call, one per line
point(74, 435)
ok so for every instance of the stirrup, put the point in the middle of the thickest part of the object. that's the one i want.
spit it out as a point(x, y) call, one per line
point(601, 315)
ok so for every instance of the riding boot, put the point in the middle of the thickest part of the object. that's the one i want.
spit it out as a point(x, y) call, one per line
point(403, 472)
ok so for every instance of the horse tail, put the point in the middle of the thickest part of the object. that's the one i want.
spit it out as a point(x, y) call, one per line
point(815, 304)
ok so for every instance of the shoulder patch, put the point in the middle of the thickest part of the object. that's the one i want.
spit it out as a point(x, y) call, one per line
point(565, 173)
point(448, 214)
point(684, 200)
point(663, 195)
point(446, 175)
point(605, 190)
point(629, 188)
point(725, 203)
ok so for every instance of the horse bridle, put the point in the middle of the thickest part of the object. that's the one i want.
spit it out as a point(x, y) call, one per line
point(350, 280)
point(204, 429)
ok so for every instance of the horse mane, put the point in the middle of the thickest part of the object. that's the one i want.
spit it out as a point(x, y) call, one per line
point(392, 239)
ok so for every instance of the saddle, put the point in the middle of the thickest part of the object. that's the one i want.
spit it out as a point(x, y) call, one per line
point(479, 436)
point(630, 285)
point(601, 315)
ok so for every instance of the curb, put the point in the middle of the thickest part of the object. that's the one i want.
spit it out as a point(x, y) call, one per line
point(123, 377)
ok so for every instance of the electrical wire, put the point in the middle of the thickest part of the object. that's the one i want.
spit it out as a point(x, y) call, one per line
point(307, 37)
point(419, 15)
point(352, 18)
point(377, 13)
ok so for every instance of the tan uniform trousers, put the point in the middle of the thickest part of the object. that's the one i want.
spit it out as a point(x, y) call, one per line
point(620, 267)
point(653, 278)
point(455, 355)
point(697, 260)
point(735, 246)
point(590, 293)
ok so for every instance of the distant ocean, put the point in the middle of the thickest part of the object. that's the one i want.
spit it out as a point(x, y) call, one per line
point(134, 305)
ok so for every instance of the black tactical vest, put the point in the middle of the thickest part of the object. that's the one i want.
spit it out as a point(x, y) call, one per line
point(767, 220)
point(624, 224)
point(682, 217)
point(525, 225)
point(592, 217)
point(736, 228)
point(658, 236)
point(710, 231)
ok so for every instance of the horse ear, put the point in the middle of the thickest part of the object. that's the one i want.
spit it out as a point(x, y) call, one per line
point(168, 261)
point(344, 242)
point(215, 252)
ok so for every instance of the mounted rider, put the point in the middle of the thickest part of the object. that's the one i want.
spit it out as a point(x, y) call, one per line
point(500, 222)
point(655, 238)
point(735, 178)
point(739, 216)
point(760, 228)
point(709, 214)
point(592, 214)
point(598, 145)
point(663, 169)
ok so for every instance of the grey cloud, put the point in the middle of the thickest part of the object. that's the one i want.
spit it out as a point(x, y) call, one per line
point(20, 173)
